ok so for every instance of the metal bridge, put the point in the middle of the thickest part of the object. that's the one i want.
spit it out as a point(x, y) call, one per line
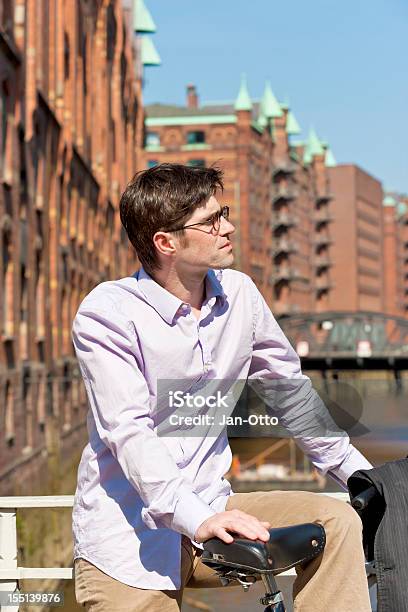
point(348, 340)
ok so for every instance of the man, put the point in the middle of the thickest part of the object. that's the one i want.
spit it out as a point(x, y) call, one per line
point(144, 502)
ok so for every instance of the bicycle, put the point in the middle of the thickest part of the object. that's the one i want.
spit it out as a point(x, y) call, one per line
point(244, 561)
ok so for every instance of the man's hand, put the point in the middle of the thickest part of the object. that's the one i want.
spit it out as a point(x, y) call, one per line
point(242, 524)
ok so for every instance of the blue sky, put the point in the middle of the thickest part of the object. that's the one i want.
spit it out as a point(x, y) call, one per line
point(342, 65)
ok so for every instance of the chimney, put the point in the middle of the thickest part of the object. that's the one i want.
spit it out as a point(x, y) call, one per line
point(192, 97)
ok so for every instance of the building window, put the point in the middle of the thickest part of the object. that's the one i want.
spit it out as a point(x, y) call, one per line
point(7, 325)
point(41, 399)
point(27, 397)
point(66, 397)
point(65, 320)
point(152, 163)
point(9, 414)
point(66, 56)
point(152, 139)
point(196, 163)
point(4, 94)
point(195, 138)
point(39, 297)
point(6, 18)
point(23, 313)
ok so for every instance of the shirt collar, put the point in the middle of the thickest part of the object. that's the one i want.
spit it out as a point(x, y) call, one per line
point(213, 287)
point(167, 304)
point(162, 300)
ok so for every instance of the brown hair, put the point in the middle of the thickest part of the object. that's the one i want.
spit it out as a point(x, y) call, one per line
point(162, 197)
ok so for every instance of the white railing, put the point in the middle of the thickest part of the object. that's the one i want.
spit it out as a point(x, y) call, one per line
point(10, 572)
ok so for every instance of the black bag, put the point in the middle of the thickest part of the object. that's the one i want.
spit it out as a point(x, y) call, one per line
point(385, 530)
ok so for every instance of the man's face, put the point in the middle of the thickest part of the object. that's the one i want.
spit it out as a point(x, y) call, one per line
point(202, 246)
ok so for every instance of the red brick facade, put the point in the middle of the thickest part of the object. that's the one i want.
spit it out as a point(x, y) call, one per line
point(70, 131)
point(396, 254)
point(279, 204)
point(313, 235)
point(358, 241)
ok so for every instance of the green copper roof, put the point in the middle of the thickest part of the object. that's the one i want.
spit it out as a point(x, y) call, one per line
point(190, 120)
point(402, 209)
point(243, 101)
point(262, 120)
point(270, 105)
point(330, 160)
point(150, 57)
point(389, 201)
point(314, 145)
point(292, 126)
point(307, 156)
point(142, 19)
point(255, 125)
point(293, 155)
point(307, 153)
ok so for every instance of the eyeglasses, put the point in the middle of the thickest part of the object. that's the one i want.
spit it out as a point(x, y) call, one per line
point(213, 222)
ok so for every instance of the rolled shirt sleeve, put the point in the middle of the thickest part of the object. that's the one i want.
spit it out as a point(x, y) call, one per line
point(110, 362)
point(276, 375)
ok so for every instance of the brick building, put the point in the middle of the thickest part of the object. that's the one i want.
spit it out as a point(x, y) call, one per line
point(71, 134)
point(396, 254)
point(357, 232)
point(278, 189)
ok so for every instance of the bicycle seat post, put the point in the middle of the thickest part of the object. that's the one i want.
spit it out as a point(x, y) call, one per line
point(243, 560)
point(273, 599)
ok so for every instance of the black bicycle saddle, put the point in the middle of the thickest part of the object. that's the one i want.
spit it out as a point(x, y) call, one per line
point(286, 547)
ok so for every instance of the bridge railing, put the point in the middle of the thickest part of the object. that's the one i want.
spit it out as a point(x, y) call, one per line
point(10, 573)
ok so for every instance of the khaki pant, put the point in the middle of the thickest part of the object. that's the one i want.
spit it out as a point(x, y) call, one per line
point(335, 581)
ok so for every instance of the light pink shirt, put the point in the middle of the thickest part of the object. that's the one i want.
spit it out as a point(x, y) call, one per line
point(137, 491)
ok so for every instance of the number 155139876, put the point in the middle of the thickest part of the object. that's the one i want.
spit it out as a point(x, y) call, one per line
point(13, 598)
